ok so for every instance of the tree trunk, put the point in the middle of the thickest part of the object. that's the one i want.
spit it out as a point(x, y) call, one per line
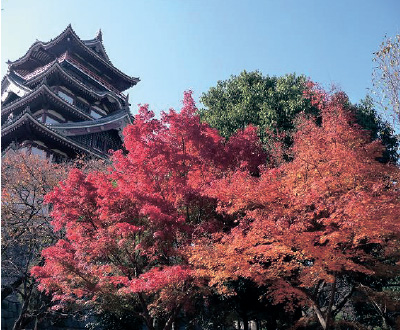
point(326, 321)
point(172, 318)
point(320, 317)
point(328, 317)
point(146, 316)
point(20, 321)
point(245, 321)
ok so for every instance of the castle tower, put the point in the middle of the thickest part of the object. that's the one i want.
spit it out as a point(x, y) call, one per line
point(65, 98)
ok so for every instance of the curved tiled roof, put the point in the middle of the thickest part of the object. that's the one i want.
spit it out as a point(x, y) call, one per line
point(65, 35)
point(55, 67)
point(10, 85)
point(115, 121)
point(46, 91)
point(26, 118)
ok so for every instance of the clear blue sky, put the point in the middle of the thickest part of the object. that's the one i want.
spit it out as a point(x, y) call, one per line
point(175, 45)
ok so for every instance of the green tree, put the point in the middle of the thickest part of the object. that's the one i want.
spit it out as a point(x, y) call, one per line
point(270, 103)
point(273, 103)
point(251, 98)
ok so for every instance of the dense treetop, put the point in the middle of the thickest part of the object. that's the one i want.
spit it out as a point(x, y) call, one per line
point(273, 103)
point(270, 103)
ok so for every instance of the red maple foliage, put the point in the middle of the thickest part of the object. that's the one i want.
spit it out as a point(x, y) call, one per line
point(126, 230)
point(304, 227)
point(330, 214)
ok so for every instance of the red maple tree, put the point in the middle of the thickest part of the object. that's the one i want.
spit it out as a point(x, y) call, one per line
point(310, 227)
point(126, 230)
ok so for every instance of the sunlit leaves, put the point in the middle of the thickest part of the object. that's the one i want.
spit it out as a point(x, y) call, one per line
point(126, 230)
point(332, 211)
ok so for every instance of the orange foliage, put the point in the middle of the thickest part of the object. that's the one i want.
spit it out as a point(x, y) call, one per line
point(333, 210)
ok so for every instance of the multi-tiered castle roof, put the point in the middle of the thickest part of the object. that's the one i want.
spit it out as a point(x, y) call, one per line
point(65, 98)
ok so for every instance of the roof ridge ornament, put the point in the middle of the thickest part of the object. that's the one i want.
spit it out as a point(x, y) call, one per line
point(99, 35)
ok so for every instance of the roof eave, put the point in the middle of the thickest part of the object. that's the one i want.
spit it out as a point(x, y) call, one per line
point(27, 117)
